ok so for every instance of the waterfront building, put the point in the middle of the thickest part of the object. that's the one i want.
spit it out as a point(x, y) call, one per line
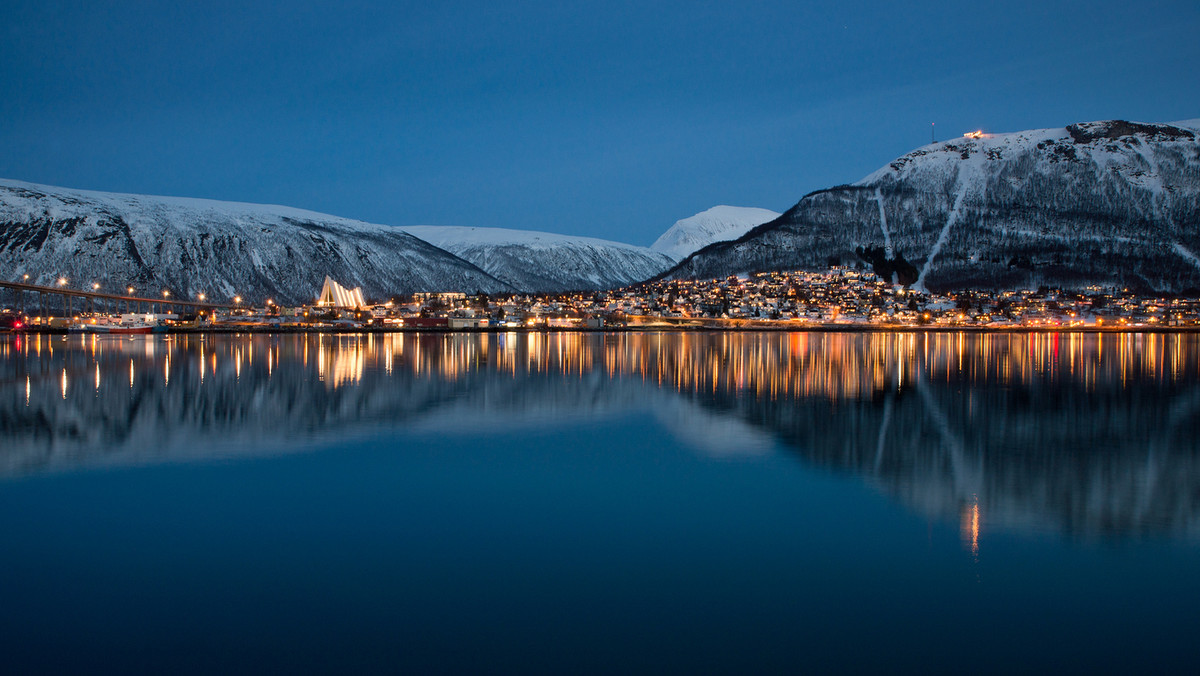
point(334, 295)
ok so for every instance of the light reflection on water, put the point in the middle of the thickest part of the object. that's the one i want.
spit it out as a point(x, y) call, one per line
point(594, 502)
point(833, 365)
point(1086, 434)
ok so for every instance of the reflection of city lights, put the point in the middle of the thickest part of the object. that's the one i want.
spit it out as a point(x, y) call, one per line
point(832, 367)
point(969, 526)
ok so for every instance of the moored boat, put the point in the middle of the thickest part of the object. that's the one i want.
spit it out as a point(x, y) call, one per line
point(127, 326)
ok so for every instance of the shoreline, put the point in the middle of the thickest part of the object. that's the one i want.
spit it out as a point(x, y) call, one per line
point(639, 328)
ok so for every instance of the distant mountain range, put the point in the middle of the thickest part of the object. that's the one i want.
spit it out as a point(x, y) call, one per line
point(1110, 203)
point(542, 261)
point(223, 249)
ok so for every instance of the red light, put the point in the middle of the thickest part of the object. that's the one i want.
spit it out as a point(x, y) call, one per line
point(17, 325)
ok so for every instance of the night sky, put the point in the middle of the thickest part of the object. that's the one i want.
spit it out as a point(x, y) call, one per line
point(604, 119)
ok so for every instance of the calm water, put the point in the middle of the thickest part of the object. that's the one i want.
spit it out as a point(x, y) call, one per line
point(569, 503)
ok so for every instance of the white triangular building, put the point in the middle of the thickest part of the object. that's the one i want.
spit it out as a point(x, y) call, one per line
point(337, 296)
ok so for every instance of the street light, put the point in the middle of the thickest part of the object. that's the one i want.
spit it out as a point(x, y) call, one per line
point(201, 297)
point(166, 293)
point(95, 286)
point(237, 299)
point(130, 290)
point(62, 281)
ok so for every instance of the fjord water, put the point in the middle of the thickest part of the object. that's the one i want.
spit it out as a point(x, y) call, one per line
point(570, 502)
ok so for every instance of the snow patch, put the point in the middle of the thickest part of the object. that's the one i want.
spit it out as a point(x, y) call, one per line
point(887, 236)
point(1187, 254)
point(955, 211)
point(719, 224)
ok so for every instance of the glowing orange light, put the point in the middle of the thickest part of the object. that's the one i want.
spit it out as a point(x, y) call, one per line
point(969, 527)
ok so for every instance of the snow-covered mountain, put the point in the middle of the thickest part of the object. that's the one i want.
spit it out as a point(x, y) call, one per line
point(192, 246)
point(1110, 203)
point(542, 261)
point(718, 224)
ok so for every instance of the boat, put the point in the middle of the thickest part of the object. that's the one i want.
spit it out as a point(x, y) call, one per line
point(11, 322)
point(128, 325)
point(125, 330)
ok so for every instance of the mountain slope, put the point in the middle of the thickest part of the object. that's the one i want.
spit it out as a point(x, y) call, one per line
point(718, 224)
point(1110, 203)
point(193, 246)
point(542, 261)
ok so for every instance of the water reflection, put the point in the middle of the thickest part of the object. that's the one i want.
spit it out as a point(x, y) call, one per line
point(1091, 435)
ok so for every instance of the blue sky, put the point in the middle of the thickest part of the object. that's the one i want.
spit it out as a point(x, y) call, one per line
point(604, 119)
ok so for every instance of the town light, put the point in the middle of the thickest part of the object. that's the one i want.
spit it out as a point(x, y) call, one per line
point(200, 296)
point(62, 281)
point(130, 290)
point(95, 286)
point(237, 299)
point(166, 293)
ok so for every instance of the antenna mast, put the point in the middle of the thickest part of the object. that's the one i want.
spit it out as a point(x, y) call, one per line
point(932, 129)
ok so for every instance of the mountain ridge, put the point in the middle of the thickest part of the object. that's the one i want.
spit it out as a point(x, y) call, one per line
point(192, 246)
point(1111, 203)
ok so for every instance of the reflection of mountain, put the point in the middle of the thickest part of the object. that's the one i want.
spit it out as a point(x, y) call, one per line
point(1106, 462)
point(80, 401)
point(1089, 435)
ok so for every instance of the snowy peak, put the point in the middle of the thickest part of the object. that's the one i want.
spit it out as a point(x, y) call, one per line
point(718, 224)
point(1102, 141)
point(546, 262)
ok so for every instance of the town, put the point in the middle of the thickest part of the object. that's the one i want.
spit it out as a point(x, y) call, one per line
point(839, 297)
